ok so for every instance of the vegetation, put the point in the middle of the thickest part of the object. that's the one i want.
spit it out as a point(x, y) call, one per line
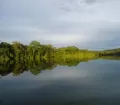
point(35, 57)
point(36, 51)
point(112, 52)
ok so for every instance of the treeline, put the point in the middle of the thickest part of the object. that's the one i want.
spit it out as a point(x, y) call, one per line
point(112, 52)
point(36, 51)
point(16, 57)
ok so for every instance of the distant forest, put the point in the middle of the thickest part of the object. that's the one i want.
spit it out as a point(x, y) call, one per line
point(37, 51)
point(16, 57)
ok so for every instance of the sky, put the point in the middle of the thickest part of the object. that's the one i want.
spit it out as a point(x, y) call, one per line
point(88, 24)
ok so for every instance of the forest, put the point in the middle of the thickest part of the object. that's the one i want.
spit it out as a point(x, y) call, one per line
point(37, 51)
point(16, 57)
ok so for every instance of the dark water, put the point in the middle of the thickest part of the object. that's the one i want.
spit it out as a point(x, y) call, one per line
point(96, 82)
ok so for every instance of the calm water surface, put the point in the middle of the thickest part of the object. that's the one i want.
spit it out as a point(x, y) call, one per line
point(96, 82)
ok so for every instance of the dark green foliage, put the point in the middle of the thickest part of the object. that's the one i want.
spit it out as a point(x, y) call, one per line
point(36, 57)
point(37, 51)
point(6, 51)
point(113, 52)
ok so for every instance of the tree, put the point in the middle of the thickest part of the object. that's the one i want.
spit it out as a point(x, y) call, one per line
point(20, 50)
point(34, 46)
point(6, 50)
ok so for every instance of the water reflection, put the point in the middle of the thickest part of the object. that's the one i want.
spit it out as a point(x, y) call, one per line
point(95, 82)
point(35, 67)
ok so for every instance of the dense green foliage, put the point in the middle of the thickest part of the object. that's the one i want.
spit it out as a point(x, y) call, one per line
point(35, 57)
point(113, 52)
point(37, 51)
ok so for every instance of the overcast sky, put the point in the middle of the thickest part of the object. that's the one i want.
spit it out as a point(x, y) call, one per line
point(92, 24)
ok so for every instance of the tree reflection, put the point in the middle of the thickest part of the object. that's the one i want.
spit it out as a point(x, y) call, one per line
point(34, 66)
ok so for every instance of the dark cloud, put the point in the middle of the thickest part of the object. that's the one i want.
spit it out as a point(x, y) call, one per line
point(90, 1)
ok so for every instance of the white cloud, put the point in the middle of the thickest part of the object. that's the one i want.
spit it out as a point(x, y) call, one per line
point(61, 38)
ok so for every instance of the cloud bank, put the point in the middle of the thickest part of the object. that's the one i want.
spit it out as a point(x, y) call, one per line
point(92, 24)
